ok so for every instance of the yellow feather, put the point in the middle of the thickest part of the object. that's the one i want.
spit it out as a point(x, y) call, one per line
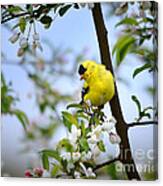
point(100, 82)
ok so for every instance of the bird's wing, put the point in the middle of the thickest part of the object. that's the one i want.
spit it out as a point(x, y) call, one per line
point(85, 90)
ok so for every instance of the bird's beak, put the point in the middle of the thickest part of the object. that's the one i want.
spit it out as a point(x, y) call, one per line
point(81, 77)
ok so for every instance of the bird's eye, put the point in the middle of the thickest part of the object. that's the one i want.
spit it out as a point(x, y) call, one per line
point(81, 70)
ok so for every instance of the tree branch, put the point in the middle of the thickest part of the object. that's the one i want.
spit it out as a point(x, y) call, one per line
point(14, 16)
point(121, 127)
point(144, 123)
point(105, 163)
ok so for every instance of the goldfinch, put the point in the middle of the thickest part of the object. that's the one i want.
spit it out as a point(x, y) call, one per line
point(99, 83)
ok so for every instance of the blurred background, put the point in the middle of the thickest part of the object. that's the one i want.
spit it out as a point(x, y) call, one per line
point(45, 83)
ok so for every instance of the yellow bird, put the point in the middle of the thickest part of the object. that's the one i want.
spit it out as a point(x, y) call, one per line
point(99, 83)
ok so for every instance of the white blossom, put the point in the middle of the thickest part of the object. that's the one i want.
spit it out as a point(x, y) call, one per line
point(76, 156)
point(74, 134)
point(77, 175)
point(96, 131)
point(95, 151)
point(38, 44)
point(83, 5)
point(20, 52)
point(112, 120)
point(14, 37)
point(36, 37)
point(70, 166)
point(93, 139)
point(86, 156)
point(91, 5)
point(114, 138)
point(66, 156)
point(78, 133)
point(94, 135)
point(90, 173)
point(23, 42)
point(108, 126)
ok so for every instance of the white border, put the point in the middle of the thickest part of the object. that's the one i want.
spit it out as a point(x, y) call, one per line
point(41, 182)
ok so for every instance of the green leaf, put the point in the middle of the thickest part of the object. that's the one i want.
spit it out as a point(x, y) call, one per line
point(122, 47)
point(76, 6)
point(69, 120)
point(101, 146)
point(151, 90)
point(146, 115)
point(74, 105)
point(42, 106)
point(3, 80)
point(111, 169)
point(22, 117)
point(127, 21)
point(55, 170)
point(140, 69)
point(15, 9)
point(51, 153)
point(22, 24)
point(84, 144)
point(45, 161)
point(83, 130)
point(48, 131)
point(30, 8)
point(64, 9)
point(46, 20)
point(65, 143)
point(80, 114)
point(134, 98)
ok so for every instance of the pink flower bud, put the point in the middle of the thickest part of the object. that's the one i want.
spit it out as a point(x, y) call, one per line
point(28, 173)
point(38, 171)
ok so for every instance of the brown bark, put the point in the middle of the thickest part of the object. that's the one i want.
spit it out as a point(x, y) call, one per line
point(125, 153)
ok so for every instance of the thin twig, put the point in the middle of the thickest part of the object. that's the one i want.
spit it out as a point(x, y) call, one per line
point(105, 163)
point(144, 123)
point(14, 16)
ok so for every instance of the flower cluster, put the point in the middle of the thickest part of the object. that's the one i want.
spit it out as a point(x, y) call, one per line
point(24, 43)
point(76, 155)
point(36, 172)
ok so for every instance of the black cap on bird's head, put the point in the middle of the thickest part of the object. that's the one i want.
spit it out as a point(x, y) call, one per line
point(81, 70)
point(86, 69)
